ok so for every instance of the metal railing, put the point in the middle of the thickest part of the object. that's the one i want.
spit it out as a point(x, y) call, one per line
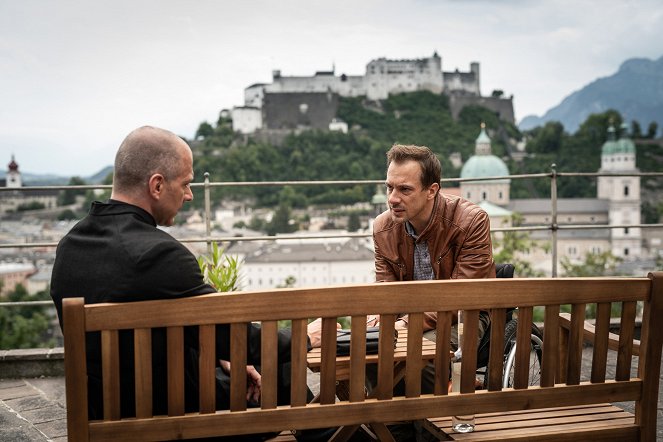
point(208, 238)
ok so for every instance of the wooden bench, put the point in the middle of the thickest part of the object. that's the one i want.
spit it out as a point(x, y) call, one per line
point(583, 406)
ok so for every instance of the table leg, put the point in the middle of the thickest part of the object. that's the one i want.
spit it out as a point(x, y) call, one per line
point(344, 433)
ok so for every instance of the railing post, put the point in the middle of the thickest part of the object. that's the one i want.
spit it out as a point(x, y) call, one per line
point(553, 217)
point(208, 214)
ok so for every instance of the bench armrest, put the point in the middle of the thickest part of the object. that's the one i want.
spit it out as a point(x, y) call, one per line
point(589, 332)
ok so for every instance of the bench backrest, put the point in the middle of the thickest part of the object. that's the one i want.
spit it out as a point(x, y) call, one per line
point(560, 370)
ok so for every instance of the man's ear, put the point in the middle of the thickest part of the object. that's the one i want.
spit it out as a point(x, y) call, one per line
point(155, 184)
point(432, 190)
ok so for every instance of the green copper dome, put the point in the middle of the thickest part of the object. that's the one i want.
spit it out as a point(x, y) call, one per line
point(479, 166)
point(609, 146)
point(483, 163)
point(624, 144)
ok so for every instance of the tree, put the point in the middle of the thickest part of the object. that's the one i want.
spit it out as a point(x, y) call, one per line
point(288, 282)
point(636, 130)
point(66, 215)
point(25, 327)
point(281, 221)
point(68, 196)
point(512, 245)
point(652, 130)
point(353, 222)
point(204, 130)
point(595, 264)
point(32, 205)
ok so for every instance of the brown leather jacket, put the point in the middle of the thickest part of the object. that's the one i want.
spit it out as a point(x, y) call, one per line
point(458, 237)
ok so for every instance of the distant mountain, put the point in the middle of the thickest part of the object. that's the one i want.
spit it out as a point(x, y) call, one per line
point(635, 91)
point(100, 176)
point(33, 179)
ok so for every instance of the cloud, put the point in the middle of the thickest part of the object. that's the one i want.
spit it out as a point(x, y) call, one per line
point(76, 77)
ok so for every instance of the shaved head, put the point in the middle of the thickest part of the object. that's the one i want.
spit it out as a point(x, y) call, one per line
point(144, 152)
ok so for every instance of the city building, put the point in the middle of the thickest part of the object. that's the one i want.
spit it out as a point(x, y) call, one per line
point(12, 274)
point(617, 203)
point(15, 199)
point(304, 263)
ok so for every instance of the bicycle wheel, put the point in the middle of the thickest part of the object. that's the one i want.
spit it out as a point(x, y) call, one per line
point(536, 343)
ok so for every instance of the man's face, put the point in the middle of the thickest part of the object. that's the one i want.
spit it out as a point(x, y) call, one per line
point(176, 191)
point(408, 200)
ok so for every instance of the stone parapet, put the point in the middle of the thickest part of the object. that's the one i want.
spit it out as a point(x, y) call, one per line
point(31, 362)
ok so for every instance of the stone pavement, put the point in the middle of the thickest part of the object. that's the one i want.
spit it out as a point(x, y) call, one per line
point(33, 409)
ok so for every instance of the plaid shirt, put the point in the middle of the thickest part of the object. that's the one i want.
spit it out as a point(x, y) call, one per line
point(423, 270)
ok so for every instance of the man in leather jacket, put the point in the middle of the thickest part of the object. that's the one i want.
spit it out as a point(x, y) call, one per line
point(425, 234)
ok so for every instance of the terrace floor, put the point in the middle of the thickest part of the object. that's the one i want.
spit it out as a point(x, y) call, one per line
point(34, 409)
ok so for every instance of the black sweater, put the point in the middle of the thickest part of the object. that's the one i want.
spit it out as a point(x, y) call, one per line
point(117, 254)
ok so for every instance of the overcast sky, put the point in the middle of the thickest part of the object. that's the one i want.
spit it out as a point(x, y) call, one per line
point(76, 77)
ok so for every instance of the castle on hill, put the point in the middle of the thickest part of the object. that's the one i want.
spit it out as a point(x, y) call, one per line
point(311, 102)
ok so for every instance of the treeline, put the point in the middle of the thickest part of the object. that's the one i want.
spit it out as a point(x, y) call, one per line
point(419, 118)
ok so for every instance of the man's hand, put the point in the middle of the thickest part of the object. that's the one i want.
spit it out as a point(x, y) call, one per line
point(253, 381)
point(254, 384)
point(374, 321)
point(314, 332)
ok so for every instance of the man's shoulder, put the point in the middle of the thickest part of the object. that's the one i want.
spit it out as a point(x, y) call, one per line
point(384, 223)
point(458, 208)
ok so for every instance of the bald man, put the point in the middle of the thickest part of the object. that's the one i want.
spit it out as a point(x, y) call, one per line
point(117, 254)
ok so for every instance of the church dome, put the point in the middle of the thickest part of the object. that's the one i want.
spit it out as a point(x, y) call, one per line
point(483, 163)
point(624, 144)
point(479, 166)
point(610, 145)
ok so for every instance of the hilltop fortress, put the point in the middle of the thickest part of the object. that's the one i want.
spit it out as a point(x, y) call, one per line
point(294, 102)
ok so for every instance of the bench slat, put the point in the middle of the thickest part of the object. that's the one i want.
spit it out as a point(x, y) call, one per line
point(353, 300)
point(268, 364)
point(298, 389)
point(358, 358)
point(238, 366)
point(574, 363)
point(143, 371)
point(385, 389)
point(328, 361)
point(110, 369)
point(442, 356)
point(399, 408)
point(469, 344)
point(175, 358)
point(413, 364)
point(600, 354)
point(550, 356)
point(542, 425)
point(206, 368)
point(523, 340)
point(496, 364)
point(626, 334)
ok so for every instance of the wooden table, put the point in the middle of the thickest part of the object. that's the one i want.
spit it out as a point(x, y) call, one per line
point(343, 377)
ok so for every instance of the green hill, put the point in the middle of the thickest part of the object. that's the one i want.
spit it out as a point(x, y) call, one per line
point(419, 118)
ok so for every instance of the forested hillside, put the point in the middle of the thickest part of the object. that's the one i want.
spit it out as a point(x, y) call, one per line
point(416, 118)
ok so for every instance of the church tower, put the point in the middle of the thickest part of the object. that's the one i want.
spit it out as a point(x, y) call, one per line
point(484, 164)
point(622, 193)
point(13, 175)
